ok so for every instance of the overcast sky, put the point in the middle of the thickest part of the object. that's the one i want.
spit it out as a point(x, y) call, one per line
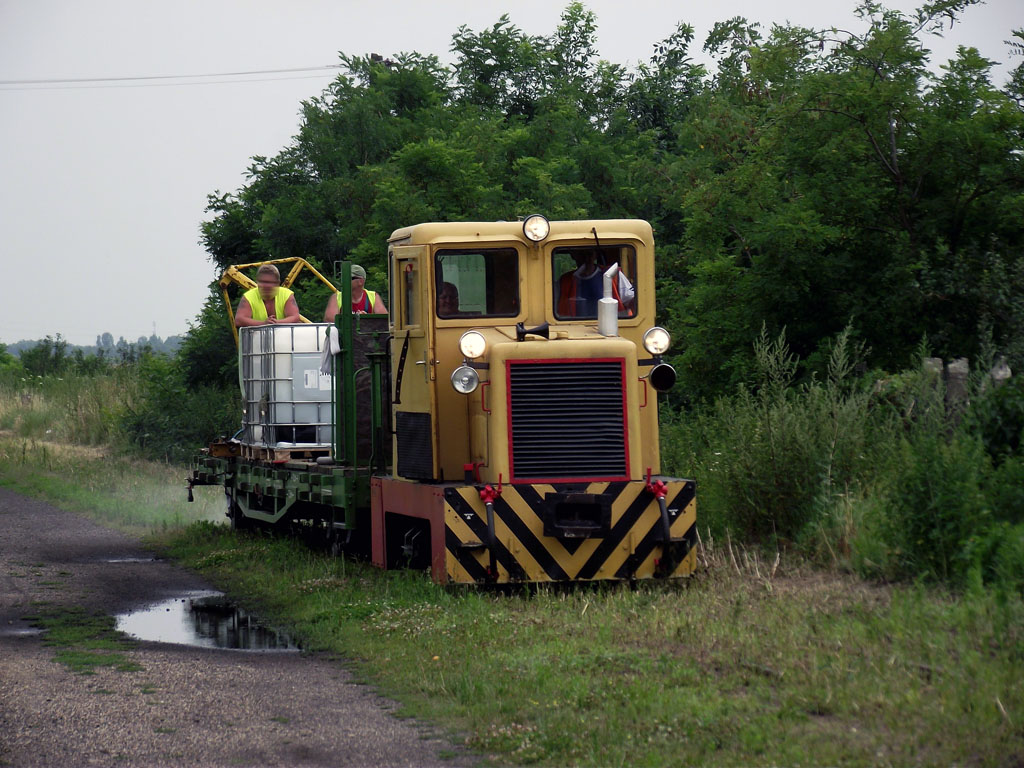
point(103, 185)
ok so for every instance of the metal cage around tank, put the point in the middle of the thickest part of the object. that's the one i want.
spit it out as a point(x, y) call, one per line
point(287, 400)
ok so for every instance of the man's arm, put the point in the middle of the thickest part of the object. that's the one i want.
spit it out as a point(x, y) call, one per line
point(243, 315)
point(291, 311)
point(332, 308)
point(378, 305)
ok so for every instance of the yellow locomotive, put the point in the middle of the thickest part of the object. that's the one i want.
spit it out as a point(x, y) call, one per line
point(500, 426)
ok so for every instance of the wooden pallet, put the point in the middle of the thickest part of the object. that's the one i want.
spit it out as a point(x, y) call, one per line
point(224, 449)
point(265, 453)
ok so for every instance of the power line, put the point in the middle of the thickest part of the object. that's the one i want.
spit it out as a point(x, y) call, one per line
point(169, 77)
point(52, 81)
point(85, 86)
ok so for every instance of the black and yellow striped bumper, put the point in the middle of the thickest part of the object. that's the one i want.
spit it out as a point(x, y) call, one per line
point(625, 540)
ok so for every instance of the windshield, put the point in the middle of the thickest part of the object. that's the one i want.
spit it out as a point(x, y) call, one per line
point(577, 274)
point(477, 282)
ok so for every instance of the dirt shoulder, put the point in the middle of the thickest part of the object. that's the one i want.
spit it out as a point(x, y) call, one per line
point(187, 706)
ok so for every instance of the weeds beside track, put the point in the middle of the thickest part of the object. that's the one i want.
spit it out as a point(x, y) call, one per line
point(751, 662)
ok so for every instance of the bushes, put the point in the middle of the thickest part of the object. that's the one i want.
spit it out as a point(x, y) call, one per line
point(934, 507)
point(1002, 563)
point(950, 514)
point(769, 460)
point(170, 421)
point(955, 502)
point(870, 476)
point(998, 419)
point(142, 406)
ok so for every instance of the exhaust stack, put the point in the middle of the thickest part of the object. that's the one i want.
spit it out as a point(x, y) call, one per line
point(608, 307)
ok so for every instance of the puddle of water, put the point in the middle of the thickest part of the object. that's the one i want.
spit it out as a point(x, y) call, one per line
point(130, 560)
point(204, 620)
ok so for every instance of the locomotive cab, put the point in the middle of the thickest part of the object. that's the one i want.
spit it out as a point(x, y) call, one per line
point(543, 394)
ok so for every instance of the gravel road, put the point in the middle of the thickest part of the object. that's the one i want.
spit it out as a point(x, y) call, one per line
point(187, 706)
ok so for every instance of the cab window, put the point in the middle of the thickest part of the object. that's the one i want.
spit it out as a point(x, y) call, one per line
point(476, 282)
point(577, 275)
point(405, 287)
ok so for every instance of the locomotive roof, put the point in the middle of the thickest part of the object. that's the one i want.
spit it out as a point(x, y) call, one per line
point(486, 231)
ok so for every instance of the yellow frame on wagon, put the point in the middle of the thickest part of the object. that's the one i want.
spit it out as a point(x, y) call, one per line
point(234, 274)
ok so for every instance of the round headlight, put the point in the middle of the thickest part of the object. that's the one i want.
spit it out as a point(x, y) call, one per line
point(465, 379)
point(536, 227)
point(657, 341)
point(472, 344)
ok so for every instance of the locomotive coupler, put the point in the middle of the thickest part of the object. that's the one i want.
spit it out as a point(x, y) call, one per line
point(489, 494)
point(659, 489)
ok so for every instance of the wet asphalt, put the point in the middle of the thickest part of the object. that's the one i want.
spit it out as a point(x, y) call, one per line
point(187, 706)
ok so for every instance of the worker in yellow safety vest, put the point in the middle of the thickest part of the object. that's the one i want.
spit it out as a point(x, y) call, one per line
point(268, 302)
point(364, 302)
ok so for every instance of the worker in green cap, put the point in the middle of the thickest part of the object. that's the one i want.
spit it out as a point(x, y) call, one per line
point(364, 301)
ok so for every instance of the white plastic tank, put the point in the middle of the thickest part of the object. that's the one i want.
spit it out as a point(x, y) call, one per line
point(287, 401)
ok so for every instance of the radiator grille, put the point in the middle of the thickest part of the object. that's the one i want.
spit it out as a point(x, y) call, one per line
point(568, 419)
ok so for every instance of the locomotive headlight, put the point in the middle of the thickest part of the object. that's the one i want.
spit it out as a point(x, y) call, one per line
point(472, 344)
point(657, 341)
point(536, 227)
point(465, 379)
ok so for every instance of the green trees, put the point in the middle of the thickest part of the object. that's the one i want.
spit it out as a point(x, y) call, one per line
point(519, 124)
point(8, 362)
point(838, 182)
point(814, 179)
point(48, 358)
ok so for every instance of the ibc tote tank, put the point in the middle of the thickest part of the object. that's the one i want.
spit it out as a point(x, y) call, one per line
point(286, 400)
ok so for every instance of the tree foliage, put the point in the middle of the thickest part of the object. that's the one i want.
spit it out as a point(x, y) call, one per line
point(47, 358)
point(8, 362)
point(810, 180)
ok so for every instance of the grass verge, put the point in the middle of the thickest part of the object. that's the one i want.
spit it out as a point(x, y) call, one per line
point(736, 667)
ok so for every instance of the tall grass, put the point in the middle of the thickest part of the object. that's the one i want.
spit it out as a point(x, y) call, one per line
point(68, 438)
point(143, 408)
point(770, 459)
point(873, 474)
point(73, 408)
